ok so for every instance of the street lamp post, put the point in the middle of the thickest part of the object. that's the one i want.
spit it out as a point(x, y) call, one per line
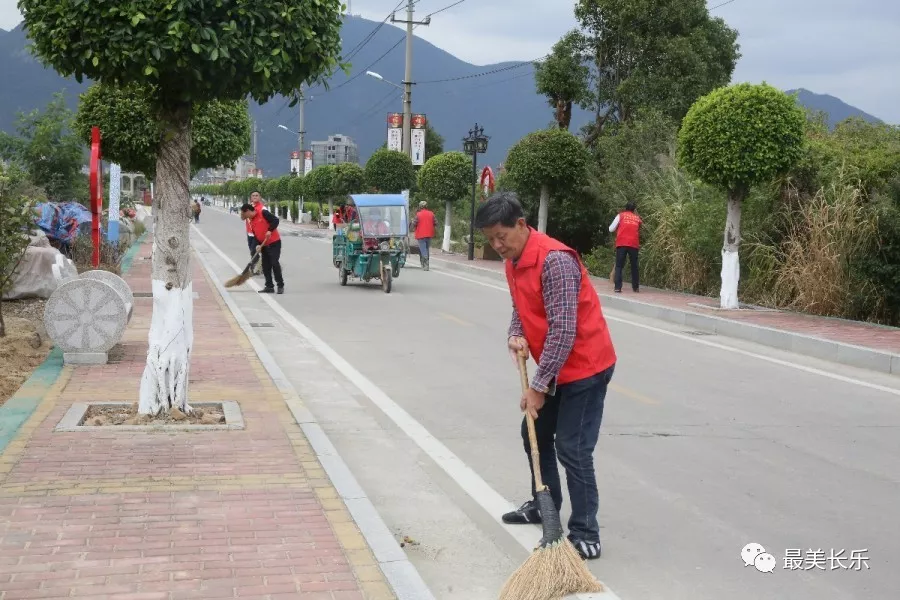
point(407, 108)
point(475, 143)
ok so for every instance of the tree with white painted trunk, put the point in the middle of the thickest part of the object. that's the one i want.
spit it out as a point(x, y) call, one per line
point(446, 178)
point(734, 138)
point(189, 53)
point(547, 162)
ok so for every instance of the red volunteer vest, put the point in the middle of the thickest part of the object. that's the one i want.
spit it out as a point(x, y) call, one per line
point(425, 224)
point(593, 351)
point(258, 207)
point(628, 232)
point(260, 226)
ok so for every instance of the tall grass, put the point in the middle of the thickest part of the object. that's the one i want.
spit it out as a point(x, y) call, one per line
point(813, 268)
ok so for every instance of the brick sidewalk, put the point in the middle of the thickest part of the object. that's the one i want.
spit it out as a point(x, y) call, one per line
point(837, 330)
point(147, 516)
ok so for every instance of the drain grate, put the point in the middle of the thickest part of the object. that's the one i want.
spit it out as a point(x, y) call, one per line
point(263, 324)
point(699, 333)
point(143, 294)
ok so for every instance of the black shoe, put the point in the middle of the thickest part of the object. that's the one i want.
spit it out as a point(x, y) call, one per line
point(525, 514)
point(618, 291)
point(280, 289)
point(267, 290)
point(587, 550)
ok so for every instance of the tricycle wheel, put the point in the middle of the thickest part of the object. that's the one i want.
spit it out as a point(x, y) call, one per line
point(386, 280)
point(342, 274)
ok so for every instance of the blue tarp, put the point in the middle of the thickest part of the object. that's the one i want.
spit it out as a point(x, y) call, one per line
point(60, 221)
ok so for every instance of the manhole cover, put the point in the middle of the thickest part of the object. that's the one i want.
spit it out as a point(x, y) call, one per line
point(253, 324)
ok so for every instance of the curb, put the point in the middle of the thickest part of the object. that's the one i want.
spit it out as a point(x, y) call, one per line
point(837, 352)
point(25, 401)
point(401, 575)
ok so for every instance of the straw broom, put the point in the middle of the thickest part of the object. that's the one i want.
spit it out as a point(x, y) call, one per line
point(247, 272)
point(554, 569)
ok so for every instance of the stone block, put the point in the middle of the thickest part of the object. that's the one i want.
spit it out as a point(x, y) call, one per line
point(86, 316)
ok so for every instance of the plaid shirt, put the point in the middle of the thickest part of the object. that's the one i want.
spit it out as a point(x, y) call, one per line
point(561, 282)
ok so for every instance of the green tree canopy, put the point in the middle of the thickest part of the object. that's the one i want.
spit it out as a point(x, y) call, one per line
point(390, 172)
point(550, 157)
point(446, 177)
point(48, 149)
point(349, 178)
point(563, 77)
point(740, 136)
point(319, 185)
point(661, 54)
point(131, 134)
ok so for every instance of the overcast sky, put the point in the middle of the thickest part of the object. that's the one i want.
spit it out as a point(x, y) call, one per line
point(846, 48)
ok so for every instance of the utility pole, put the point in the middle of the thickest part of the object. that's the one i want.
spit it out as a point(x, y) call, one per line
point(407, 80)
point(255, 150)
point(301, 133)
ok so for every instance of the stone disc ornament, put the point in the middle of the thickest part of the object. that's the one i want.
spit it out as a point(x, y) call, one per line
point(114, 280)
point(85, 316)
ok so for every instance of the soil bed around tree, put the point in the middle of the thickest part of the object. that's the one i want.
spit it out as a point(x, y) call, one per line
point(111, 415)
point(25, 346)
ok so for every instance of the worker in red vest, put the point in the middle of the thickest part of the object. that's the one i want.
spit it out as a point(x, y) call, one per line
point(423, 225)
point(264, 227)
point(558, 320)
point(256, 201)
point(627, 226)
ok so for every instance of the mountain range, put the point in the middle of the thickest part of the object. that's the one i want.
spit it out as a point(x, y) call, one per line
point(453, 94)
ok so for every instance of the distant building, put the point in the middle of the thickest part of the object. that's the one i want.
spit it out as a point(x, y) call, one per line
point(243, 168)
point(336, 150)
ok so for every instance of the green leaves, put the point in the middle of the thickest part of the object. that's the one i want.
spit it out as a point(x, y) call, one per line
point(390, 172)
point(446, 177)
point(279, 45)
point(319, 184)
point(131, 132)
point(740, 136)
point(349, 178)
point(552, 157)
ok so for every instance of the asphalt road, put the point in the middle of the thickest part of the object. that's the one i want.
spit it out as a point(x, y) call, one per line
point(706, 446)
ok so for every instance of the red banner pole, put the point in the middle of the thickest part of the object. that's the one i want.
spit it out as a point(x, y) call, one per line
point(96, 192)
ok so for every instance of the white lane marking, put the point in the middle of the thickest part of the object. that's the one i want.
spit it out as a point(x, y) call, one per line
point(681, 336)
point(472, 483)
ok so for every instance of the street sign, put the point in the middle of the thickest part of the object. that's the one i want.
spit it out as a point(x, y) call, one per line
point(395, 132)
point(417, 139)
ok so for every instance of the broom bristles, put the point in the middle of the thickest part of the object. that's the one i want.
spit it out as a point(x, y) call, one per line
point(551, 573)
point(239, 279)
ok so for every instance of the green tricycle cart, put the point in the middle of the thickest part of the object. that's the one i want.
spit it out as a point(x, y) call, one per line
point(374, 243)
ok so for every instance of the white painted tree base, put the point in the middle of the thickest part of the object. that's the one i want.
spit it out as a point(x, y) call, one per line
point(164, 384)
point(448, 219)
point(543, 209)
point(731, 275)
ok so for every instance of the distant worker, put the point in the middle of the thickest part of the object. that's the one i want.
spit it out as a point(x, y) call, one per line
point(196, 210)
point(423, 225)
point(627, 226)
point(264, 227)
point(256, 201)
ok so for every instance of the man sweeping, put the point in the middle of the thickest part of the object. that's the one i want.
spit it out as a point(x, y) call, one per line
point(264, 227)
point(556, 318)
point(256, 201)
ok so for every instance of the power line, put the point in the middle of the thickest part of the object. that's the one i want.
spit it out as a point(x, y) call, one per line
point(359, 46)
point(491, 72)
point(446, 8)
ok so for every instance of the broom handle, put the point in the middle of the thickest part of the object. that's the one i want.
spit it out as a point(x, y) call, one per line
point(532, 434)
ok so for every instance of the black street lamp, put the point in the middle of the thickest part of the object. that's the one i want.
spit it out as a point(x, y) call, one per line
point(475, 143)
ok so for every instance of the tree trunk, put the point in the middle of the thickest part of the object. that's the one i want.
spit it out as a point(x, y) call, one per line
point(543, 209)
point(330, 214)
point(731, 267)
point(2, 323)
point(448, 221)
point(164, 384)
point(564, 114)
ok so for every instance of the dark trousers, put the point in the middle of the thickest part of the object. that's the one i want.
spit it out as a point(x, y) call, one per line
point(271, 265)
point(568, 426)
point(632, 254)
